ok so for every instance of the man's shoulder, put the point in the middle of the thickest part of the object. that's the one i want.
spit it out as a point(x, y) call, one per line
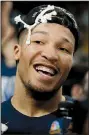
point(5, 109)
point(5, 104)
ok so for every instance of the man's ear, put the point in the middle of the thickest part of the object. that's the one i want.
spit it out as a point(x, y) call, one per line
point(17, 51)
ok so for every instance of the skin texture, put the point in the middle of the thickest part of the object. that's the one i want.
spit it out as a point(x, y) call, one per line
point(52, 45)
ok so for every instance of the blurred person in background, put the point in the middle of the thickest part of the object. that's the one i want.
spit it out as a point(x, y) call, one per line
point(8, 64)
point(80, 119)
point(79, 91)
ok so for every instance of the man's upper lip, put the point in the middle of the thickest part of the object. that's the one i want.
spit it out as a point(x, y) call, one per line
point(47, 65)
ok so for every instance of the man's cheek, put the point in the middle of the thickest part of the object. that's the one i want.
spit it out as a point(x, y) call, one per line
point(68, 63)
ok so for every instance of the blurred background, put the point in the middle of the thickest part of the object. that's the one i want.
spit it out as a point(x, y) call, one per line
point(76, 84)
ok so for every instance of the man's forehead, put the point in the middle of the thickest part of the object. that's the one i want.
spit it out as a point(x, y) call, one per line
point(52, 28)
point(39, 32)
point(58, 37)
point(49, 26)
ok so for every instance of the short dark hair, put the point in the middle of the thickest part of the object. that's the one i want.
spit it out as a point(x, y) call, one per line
point(63, 17)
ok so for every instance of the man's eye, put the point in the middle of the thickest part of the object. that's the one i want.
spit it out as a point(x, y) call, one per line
point(64, 49)
point(38, 42)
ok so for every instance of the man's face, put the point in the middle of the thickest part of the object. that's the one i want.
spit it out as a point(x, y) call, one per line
point(44, 64)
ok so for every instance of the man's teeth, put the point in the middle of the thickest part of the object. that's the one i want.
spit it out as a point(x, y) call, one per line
point(45, 70)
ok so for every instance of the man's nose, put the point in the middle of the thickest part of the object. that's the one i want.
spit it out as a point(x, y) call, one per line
point(50, 54)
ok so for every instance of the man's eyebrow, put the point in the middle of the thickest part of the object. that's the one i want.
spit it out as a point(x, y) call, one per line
point(64, 39)
point(67, 40)
point(40, 32)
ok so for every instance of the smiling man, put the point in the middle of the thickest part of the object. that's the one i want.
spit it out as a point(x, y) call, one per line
point(47, 40)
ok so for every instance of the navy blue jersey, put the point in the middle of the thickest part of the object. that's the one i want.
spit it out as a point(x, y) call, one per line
point(17, 123)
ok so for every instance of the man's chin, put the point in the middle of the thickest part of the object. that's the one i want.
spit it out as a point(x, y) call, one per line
point(41, 93)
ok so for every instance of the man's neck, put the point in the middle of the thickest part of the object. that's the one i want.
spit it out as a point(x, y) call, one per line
point(33, 108)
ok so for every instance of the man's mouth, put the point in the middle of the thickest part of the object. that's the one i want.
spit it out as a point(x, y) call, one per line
point(45, 69)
